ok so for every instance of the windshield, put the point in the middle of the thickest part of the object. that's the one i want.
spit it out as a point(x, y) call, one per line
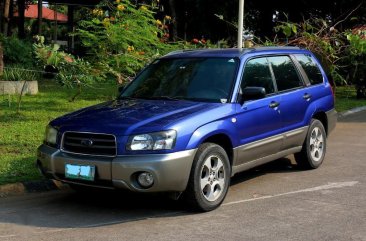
point(197, 79)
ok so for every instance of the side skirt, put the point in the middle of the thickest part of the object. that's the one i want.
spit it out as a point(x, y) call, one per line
point(263, 160)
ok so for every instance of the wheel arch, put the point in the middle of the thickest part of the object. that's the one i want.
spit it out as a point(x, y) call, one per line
point(221, 132)
point(224, 141)
point(322, 117)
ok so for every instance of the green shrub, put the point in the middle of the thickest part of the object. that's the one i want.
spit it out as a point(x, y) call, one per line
point(18, 52)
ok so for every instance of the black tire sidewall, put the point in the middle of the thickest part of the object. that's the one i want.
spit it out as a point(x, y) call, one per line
point(202, 154)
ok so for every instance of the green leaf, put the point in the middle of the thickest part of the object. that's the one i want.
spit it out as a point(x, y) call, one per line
point(294, 29)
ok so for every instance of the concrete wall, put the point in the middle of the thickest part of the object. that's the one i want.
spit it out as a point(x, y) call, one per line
point(15, 87)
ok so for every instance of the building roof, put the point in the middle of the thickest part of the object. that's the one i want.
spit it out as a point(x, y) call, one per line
point(32, 12)
point(74, 2)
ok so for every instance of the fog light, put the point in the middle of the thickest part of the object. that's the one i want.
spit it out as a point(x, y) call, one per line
point(145, 179)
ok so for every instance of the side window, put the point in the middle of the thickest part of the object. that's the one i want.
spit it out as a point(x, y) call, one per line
point(311, 68)
point(285, 73)
point(258, 74)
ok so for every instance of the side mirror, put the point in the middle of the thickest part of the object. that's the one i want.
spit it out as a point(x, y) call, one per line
point(253, 93)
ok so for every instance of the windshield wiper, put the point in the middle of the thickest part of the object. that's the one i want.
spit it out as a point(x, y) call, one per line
point(164, 97)
point(127, 98)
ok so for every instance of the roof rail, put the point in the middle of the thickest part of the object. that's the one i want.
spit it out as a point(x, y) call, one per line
point(274, 48)
point(179, 51)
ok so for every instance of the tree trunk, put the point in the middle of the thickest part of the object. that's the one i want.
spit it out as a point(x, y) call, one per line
point(21, 20)
point(1, 15)
point(11, 18)
point(70, 28)
point(174, 19)
point(39, 18)
point(6, 17)
point(1, 59)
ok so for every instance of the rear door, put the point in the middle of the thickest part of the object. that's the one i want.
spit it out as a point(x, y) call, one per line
point(295, 99)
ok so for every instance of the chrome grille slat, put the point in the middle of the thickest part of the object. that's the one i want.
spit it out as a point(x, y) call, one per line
point(94, 139)
point(94, 146)
point(99, 144)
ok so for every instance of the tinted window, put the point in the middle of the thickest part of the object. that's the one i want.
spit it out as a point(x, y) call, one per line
point(258, 74)
point(311, 68)
point(200, 79)
point(285, 73)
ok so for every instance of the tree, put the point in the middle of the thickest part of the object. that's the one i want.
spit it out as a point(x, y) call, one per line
point(195, 18)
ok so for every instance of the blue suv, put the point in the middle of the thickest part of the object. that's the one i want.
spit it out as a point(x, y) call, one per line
point(193, 119)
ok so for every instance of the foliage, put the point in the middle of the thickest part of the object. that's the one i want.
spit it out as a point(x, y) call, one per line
point(17, 51)
point(69, 70)
point(121, 38)
point(343, 54)
point(356, 56)
point(49, 54)
point(322, 39)
point(17, 73)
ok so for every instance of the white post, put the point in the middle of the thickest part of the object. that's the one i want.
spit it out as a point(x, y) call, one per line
point(240, 23)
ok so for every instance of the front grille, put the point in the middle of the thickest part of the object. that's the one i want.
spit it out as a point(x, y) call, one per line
point(89, 143)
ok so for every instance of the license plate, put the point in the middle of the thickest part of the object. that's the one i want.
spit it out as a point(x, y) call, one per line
point(80, 172)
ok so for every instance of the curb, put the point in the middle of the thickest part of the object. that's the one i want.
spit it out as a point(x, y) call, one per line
point(51, 185)
point(352, 111)
point(31, 187)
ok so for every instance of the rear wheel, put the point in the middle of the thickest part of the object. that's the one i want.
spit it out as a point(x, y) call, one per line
point(209, 179)
point(314, 147)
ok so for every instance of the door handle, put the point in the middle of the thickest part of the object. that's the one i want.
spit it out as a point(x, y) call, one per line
point(274, 104)
point(307, 96)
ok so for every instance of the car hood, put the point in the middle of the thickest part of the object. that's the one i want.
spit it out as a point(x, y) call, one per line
point(123, 117)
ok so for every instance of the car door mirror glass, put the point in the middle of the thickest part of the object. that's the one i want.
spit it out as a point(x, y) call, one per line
point(252, 93)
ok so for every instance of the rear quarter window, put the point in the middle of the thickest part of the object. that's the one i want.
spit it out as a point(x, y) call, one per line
point(311, 68)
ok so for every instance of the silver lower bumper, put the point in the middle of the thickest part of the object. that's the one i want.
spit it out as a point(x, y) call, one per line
point(170, 171)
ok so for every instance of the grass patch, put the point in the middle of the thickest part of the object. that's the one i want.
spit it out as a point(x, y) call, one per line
point(346, 98)
point(21, 133)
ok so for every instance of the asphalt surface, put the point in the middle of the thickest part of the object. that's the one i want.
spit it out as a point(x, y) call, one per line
point(272, 202)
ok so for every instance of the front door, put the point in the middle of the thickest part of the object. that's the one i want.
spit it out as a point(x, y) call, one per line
point(259, 121)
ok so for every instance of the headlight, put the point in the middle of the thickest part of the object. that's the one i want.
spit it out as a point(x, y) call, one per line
point(51, 135)
point(164, 140)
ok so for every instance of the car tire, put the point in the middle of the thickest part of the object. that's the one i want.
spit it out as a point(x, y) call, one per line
point(314, 147)
point(209, 178)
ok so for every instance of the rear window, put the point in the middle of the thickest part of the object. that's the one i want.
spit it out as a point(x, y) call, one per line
point(311, 68)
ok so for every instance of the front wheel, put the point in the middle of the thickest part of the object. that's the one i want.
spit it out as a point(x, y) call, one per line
point(209, 179)
point(314, 147)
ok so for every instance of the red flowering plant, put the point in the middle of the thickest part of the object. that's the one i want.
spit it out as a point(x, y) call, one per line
point(201, 43)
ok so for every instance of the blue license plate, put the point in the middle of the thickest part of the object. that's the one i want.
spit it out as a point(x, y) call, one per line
point(80, 172)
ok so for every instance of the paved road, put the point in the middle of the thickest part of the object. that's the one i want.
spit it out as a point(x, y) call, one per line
point(273, 202)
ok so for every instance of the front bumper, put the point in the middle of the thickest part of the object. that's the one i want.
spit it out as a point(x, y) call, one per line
point(170, 171)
